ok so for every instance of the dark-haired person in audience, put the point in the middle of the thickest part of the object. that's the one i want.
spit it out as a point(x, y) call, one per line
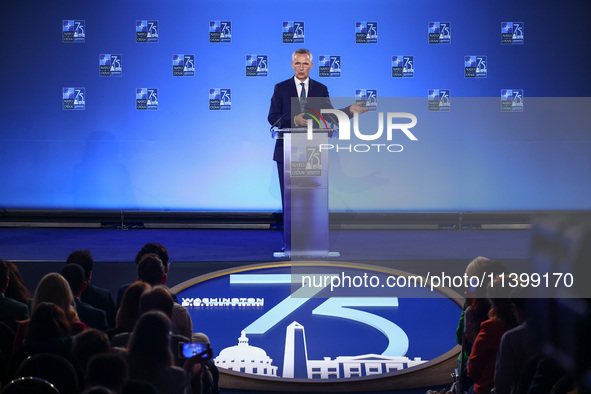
point(11, 311)
point(17, 290)
point(97, 297)
point(55, 289)
point(157, 298)
point(129, 311)
point(482, 360)
point(161, 252)
point(48, 331)
point(516, 348)
point(150, 358)
point(91, 316)
point(151, 271)
point(87, 344)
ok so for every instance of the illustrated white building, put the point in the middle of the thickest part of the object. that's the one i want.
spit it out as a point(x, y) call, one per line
point(254, 360)
point(246, 358)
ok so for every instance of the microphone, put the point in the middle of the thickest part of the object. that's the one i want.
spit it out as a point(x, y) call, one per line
point(277, 121)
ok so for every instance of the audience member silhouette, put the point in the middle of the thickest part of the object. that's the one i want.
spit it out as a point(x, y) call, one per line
point(150, 247)
point(97, 297)
point(88, 343)
point(11, 311)
point(150, 358)
point(482, 360)
point(516, 348)
point(151, 270)
point(111, 371)
point(55, 289)
point(129, 311)
point(17, 290)
point(91, 316)
point(48, 331)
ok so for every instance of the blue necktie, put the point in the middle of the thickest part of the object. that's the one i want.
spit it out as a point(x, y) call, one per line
point(303, 100)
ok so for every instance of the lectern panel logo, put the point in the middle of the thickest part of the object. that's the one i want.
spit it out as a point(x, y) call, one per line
point(146, 98)
point(220, 31)
point(183, 65)
point(257, 66)
point(439, 100)
point(264, 325)
point(366, 32)
point(368, 97)
point(306, 161)
point(512, 33)
point(512, 100)
point(74, 98)
point(74, 31)
point(293, 32)
point(220, 99)
point(439, 32)
point(403, 66)
point(329, 66)
point(475, 67)
point(110, 65)
point(146, 31)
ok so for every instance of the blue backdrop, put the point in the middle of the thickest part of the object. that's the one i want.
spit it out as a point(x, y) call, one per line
point(185, 156)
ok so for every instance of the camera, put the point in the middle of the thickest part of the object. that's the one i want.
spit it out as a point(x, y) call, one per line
point(188, 349)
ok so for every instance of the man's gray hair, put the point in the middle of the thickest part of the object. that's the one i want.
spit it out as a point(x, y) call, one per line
point(302, 51)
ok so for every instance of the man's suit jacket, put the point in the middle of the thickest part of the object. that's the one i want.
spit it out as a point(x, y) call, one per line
point(91, 316)
point(101, 299)
point(281, 114)
point(12, 310)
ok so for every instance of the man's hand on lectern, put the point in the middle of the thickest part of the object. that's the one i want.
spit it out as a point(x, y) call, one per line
point(300, 121)
point(357, 108)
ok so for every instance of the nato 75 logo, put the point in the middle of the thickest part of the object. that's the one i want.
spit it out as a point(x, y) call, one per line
point(330, 66)
point(110, 65)
point(146, 31)
point(439, 32)
point(220, 99)
point(293, 32)
point(73, 98)
point(220, 31)
point(475, 67)
point(183, 65)
point(73, 31)
point(366, 32)
point(369, 97)
point(256, 66)
point(403, 67)
point(512, 100)
point(146, 99)
point(439, 100)
point(512, 33)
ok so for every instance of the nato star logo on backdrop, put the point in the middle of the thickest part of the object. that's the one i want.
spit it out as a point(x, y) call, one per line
point(74, 98)
point(73, 31)
point(220, 31)
point(366, 32)
point(257, 65)
point(512, 100)
point(146, 99)
point(512, 33)
point(293, 32)
point(439, 100)
point(220, 99)
point(146, 31)
point(475, 66)
point(439, 32)
point(329, 66)
point(403, 67)
point(183, 65)
point(369, 97)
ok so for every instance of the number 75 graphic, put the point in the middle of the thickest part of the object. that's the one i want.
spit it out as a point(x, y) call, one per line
point(342, 307)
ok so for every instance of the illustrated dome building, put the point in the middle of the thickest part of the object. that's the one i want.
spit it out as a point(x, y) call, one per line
point(246, 358)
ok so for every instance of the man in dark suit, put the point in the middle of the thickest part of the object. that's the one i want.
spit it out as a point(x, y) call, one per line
point(93, 295)
point(284, 114)
point(91, 316)
point(11, 310)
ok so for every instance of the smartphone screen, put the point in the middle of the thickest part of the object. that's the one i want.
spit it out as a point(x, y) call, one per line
point(188, 350)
